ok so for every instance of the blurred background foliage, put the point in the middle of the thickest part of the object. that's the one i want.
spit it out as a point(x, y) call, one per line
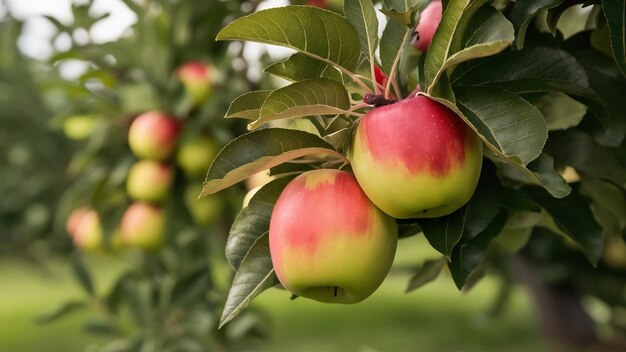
point(64, 145)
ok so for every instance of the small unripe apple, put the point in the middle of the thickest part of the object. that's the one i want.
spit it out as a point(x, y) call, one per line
point(416, 158)
point(328, 242)
point(79, 127)
point(205, 210)
point(196, 77)
point(143, 226)
point(85, 228)
point(149, 181)
point(195, 156)
point(153, 135)
point(427, 25)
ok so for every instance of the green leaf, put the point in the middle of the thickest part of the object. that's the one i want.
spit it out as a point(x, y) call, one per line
point(259, 150)
point(510, 125)
point(248, 105)
point(427, 273)
point(60, 311)
point(524, 11)
point(573, 216)
point(448, 38)
point(362, 15)
point(191, 287)
point(395, 36)
point(560, 111)
point(318, 96)
point(318, 33)
point(444, 233)
point(300, 67)
point(543, 169)
point(82, 274)
point(255, 275)
point(468, 254)
point(488, 33)
point(615, 13)
point(536, 69)
point(253, 221)
point(485, 204)
point(402, 10)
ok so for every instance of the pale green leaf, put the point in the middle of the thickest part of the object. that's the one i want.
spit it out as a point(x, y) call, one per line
point(299, 67)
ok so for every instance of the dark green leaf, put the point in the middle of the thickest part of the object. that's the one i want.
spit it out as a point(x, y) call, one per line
point(317, 96)
point(259, 150)
point(524, 11)
point(427, 273)
point(395, 36)
point(248, 105)
point(190, 287)
point(614, 11)
point(101, 327)
point(536, 69)
point(60, 311)
point(82, 274)
point(318, 33)
point(573, 216)
point(407, 227)
point(467, 255)
point(445, 232)
point(543, 169)
point(512, 127)
point(255, 275)
point(253, 221)
point(402, 10)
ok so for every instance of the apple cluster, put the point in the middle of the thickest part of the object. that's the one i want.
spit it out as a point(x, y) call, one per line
point(156, 139)
point(333, 233)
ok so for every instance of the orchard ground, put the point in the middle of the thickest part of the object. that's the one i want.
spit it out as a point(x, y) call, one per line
point(434, 318)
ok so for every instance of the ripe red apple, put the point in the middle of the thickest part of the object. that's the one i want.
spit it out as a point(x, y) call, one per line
point(143, 226)
point(196, 77)
point(380, 76)
point(149, 181)
point(427, 25)
point(328, 242)
point(416, 158)
point(84, 226)
point(153, 135)
point(195, 156)
point(317, 3)
point(205, 210)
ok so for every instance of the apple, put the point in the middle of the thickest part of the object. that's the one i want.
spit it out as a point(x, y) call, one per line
point(80, 127)
point(153, 135)
point(416, 158)
point(427, 25)
point(149, 181)
point(143, 226)
point(205, 210)
point(195, 156)
point(327, 241)
point(85, 228)
point(317, 3)
point(196, 77)
point(380, 76)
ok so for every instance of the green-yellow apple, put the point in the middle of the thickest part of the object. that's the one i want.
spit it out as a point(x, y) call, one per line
point(79, 127)
point(205, 210)
point(196, 77)
point(85, 228)
point(195, 156)
point(427, 25)
point(143, 226)
point(416, 158)
point(153, 135)
point(149, 181)
point(328, 242)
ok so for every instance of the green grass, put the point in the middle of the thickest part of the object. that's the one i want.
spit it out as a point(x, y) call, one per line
point(434, 318)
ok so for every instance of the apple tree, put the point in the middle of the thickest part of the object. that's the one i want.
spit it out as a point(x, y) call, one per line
point(496, 131)
point(143, 121)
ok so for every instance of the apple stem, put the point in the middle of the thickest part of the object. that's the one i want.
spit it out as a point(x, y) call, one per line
point(377, 100)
